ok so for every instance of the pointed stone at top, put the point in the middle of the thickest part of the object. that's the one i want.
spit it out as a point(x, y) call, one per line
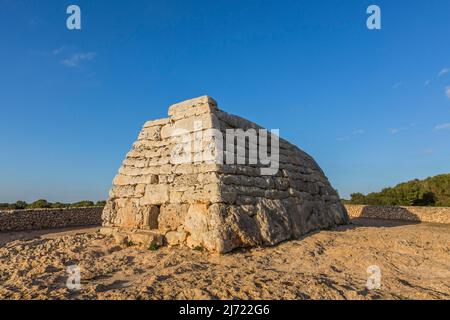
point(185, 105)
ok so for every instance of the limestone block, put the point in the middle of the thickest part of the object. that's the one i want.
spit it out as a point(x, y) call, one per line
point(246, 229)
point(123, 180)
point(281, 183)
point(127, 215)
point(152, 133)
point(175, 196)
point(146, 238)
point(209, 193)
point(134, 162)
point(274, 222)
point(174, 238)
point(185, 168)
point(159, 122)
point(219, 241)
point(186, 180)
point(166, 169)
point(152, 153)
point(155, 194)
point(196, 226)
point(300, 215)
point(207, 167)
point(172, 216)
point(186, 105)
point(276, 194)
point(129, 171)
point(194, 241)
point(109, 213)
point(185, 128)
point(121, 238)
point(208, 178)
point(135, 153)
point(192, 111)
point(122, 192)
point(219, 193)
point(243, 200)
point(249, 209)
point(249, 191)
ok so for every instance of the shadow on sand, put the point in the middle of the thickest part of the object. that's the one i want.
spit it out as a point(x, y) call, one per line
point(9, 236)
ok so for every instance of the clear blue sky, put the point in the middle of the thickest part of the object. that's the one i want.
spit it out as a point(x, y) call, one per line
point(370, 106)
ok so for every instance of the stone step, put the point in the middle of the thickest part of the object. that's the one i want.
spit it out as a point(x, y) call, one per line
point(144, 238)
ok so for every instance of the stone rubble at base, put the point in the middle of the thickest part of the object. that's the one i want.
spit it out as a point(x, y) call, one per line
point(210, 205)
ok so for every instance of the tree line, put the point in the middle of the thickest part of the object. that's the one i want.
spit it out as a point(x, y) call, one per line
point(433, 191)
point(42, 204)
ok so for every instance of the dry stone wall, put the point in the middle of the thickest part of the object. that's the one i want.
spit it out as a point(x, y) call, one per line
point(174, 187)
point(418, 214)
point(35, 219)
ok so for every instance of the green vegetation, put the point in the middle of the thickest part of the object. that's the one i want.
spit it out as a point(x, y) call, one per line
point(433, 191)
point(100, 203)
point(42, 203)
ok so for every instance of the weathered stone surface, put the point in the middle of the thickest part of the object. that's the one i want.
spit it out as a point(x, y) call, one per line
point(127, 215)
point(174, 181)
point(155, 194)
point(172, 216)
point(274, 222)
point(152, 133)
point(146, 239)
point(196, 220)
point(174, 238)
point(159, 122)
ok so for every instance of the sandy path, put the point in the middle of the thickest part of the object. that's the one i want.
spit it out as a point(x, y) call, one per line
point(6, 237)
point(414, 260)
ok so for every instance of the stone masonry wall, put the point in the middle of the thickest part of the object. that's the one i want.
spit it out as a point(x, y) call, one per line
point(159, 197)
point(419, 214)
point(152, 192)
point(35, 219)
point(268, 209)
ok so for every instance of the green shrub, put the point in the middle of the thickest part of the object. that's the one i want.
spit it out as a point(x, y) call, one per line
point(13, 206)
point(433, 191)
point(41, 203)
point(60, 205)
point(84, 203)
point(20, 204)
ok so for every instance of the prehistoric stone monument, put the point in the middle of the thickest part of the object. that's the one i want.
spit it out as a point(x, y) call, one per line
point(208, 179)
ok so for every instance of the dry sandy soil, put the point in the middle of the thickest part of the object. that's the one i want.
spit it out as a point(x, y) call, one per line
point(414, 261)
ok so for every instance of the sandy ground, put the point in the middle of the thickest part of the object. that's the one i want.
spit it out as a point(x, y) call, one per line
point(414, 260)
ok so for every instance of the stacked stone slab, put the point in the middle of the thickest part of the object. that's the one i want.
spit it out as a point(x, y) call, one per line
point(173, 187)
